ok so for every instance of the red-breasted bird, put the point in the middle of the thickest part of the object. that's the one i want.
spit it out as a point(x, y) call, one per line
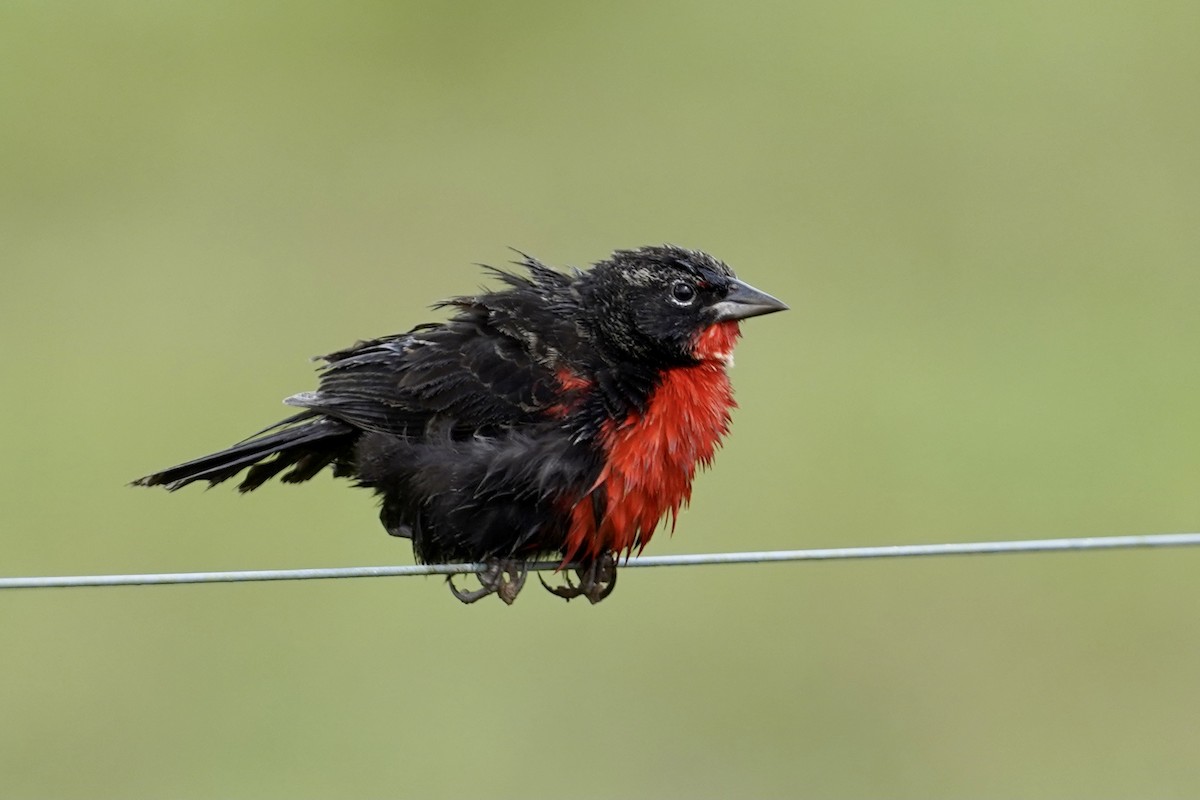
point(563, 415)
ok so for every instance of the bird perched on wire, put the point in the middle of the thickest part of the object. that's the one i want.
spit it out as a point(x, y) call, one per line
point(563, 415)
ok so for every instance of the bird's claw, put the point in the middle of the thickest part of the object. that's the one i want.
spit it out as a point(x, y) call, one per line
point(501, 578)
point(596, 581)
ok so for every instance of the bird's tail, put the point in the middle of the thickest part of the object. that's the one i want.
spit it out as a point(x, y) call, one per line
point(301, 443)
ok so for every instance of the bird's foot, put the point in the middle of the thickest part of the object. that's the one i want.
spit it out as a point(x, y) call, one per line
point(596, 581)
point(503, 578)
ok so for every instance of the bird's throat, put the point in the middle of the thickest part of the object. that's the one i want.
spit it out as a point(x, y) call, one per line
point(716, 342)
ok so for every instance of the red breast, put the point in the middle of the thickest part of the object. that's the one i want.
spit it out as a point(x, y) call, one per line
point(651, 457)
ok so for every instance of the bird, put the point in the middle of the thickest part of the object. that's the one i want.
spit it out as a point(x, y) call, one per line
point(562, 415)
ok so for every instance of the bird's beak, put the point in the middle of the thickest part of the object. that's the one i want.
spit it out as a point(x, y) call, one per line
point(745, 301)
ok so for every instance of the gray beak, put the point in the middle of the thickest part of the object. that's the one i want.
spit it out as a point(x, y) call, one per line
point(744, 301)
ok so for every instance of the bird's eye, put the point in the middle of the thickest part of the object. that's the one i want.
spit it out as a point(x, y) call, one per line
point(683, 293)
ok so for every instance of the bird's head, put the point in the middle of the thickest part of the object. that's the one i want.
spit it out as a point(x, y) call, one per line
point(669, 304)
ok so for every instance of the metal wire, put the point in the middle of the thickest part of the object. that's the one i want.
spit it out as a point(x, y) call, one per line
point(761, 557)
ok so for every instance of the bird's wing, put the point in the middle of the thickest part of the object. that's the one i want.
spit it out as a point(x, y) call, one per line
point(465, 374)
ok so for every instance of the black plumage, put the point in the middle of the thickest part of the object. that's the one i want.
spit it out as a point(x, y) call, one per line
point(481, 434)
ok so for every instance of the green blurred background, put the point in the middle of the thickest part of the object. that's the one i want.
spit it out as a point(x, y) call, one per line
point(986, 218)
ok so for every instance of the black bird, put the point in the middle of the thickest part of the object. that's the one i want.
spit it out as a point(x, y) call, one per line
point(563, 415)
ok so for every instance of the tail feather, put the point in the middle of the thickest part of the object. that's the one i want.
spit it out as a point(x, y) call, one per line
point(306, 448)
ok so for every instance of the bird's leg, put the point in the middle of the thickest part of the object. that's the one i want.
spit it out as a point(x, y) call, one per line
point(516, 572)
point(601, 578)
point(487, 581)
point(503, 578)
point(568, 591)
point(596, 580)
